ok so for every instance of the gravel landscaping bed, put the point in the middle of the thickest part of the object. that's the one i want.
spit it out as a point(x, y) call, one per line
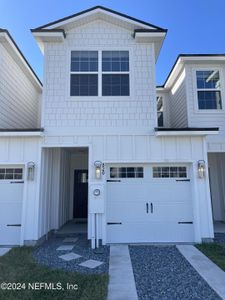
point(161, 272)
point(47, 254)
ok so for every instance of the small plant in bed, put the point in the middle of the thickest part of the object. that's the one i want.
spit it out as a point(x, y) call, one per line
point(22, 278)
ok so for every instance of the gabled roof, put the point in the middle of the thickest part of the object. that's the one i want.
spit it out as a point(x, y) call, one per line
point(184, 58)
point(142, 31)
point(70, 18)
point(6, 37)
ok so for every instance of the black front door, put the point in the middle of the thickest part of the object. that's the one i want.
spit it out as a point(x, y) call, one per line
point(80, 194)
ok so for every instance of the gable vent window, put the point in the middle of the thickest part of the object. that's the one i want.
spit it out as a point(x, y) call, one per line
point(160, 111)
point(115, 73)
point(169, 172)
point(84, 73)
point(209, 89)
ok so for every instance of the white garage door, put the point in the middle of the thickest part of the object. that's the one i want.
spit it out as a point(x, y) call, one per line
point(149, 203)
point(11, 194)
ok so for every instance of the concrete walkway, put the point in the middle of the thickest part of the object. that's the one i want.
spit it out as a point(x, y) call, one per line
point(213, 275)
point(121, 278)
point(3, 251)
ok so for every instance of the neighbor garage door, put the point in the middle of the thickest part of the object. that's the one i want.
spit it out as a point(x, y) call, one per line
point(11, 194)
point(149, 203)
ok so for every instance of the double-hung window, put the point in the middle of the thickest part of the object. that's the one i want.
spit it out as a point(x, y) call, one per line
point(84, 73)
point(208, 89)
point(115, 73)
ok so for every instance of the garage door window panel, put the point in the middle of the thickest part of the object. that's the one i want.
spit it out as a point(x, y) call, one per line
point(126, 172)
point(169, 172)
point(11, 174)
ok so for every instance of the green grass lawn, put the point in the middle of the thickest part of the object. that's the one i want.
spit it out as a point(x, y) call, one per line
point(18, 266)
point(215, 252)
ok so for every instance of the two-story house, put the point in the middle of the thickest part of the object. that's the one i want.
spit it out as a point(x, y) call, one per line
point(99, 155)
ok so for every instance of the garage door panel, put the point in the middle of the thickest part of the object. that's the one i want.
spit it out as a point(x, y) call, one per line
point(120, 189)
point(10, 235)
point(126, 211)
point(170, 211)
point(10, 211)
point(144, 232)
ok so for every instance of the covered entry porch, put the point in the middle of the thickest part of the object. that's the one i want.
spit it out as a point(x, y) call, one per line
point(64, 190)
point(216, 163)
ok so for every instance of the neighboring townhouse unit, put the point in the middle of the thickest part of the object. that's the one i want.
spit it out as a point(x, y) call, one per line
point(194, 96)
point(128, 159)
point(20, 111)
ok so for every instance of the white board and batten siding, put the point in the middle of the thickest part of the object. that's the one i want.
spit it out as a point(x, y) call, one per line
point(128, 149)
point(16, 152)
point(55, 190)
point(20, 99)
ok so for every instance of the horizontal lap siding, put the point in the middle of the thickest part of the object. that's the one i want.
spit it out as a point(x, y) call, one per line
point(19, 99)
point(178, 106)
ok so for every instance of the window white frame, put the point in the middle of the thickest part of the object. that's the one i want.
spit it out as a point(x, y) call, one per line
point(84, 73)
point(195, 91)
point(100, 50)
point(116, 72)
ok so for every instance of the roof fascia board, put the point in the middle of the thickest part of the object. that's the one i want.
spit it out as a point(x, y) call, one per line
point(185, 133)
point(189, 58)
point(98, 9)
point(48, 32)
point(21, 133)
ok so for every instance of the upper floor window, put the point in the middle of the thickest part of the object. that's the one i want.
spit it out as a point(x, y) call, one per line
point(115, 73)
point(209, 89)
point(87, 80)
point(160, 111)
point(84, 73)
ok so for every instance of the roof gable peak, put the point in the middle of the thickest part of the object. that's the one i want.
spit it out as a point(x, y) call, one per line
point(103, 10)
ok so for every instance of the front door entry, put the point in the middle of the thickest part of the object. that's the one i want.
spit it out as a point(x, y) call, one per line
point(80, 194)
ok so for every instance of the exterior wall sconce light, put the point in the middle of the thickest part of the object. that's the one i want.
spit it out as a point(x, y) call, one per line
point(201, 168)
point(98, 169)
point(30, 170)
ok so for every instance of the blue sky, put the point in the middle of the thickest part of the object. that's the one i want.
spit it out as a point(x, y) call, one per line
point(194, 26)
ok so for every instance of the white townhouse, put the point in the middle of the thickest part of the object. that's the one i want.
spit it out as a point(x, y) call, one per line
point(95, 146)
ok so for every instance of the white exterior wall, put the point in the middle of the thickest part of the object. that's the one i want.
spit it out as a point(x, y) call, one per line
point(65, 114)
point(206, 118)
point(166, 107)
point(178, 103)
point(19, 151)
point(54, 190)
point(146, 149)
point(217, 179)
point(19, 98)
